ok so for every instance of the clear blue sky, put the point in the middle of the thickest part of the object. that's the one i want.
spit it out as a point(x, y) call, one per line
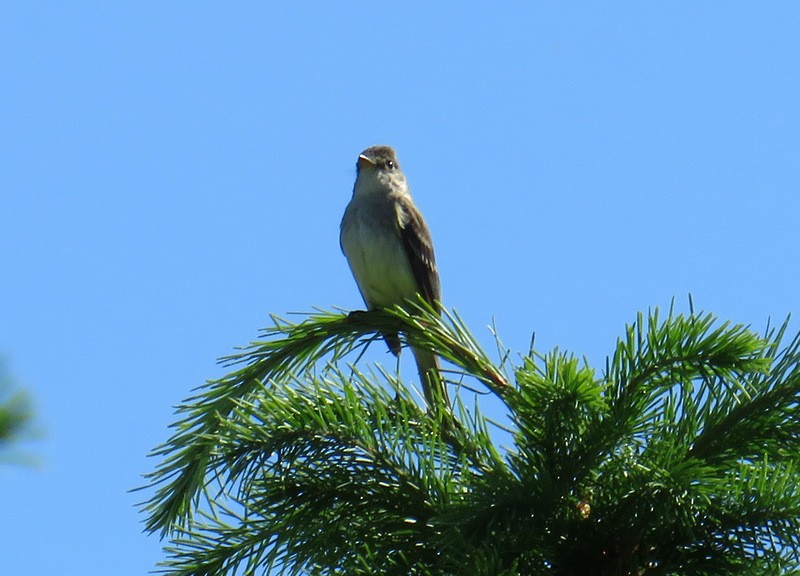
point(171, 173)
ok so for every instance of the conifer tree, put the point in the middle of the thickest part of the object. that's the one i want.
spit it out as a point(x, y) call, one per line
point(15, 418)
point(679, 457)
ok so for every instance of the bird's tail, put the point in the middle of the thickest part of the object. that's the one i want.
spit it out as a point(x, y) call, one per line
point(430, 376)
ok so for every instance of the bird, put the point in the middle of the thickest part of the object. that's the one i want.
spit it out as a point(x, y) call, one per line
point(390, 253)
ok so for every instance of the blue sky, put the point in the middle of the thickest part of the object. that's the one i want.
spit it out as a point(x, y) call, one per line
point(171, 173)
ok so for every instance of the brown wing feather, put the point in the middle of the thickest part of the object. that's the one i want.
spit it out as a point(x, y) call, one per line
point(419, 249)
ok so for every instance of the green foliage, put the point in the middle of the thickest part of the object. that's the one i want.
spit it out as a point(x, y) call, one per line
point(15, 417)
point(682, 457)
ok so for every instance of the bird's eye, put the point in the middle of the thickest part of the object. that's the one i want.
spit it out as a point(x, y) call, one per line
point(390, 164)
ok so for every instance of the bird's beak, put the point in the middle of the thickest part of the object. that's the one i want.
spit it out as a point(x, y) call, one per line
point(364, 162)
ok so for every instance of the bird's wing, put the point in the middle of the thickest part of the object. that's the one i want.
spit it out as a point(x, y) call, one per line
point(418, 246)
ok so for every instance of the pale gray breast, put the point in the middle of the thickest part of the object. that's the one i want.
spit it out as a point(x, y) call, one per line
point(371, 242)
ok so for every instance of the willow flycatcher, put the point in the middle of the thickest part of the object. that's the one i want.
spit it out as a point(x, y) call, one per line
point(389, 249)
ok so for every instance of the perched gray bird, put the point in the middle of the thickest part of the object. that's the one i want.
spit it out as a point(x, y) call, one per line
point(390, 252)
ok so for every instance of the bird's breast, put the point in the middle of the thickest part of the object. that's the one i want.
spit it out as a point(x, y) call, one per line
point(371, 242)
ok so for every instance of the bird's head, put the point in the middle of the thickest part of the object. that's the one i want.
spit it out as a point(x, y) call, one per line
point(378, 158)
point(378, 170)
